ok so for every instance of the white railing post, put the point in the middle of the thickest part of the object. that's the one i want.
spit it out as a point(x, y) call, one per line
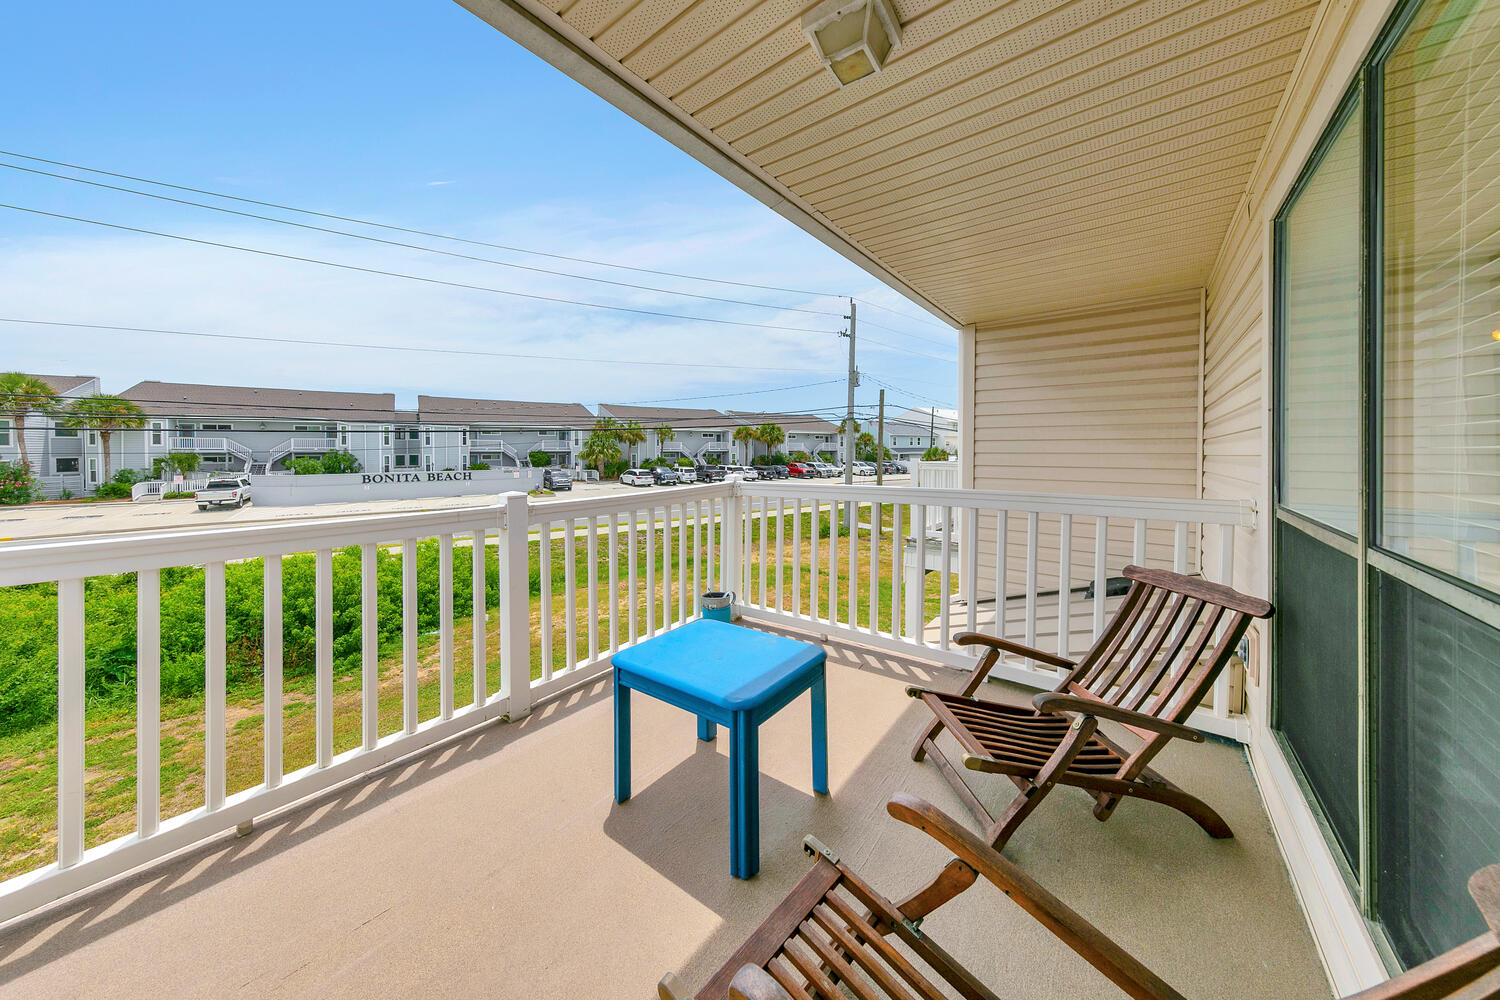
point(731, 540)
point(916, 573)
point(1226, 577)
point(70, 736)
point(147, 702)
point(515, 604)
point(215, 691)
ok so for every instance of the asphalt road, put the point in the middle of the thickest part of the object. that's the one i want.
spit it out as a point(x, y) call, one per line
point(69, 519)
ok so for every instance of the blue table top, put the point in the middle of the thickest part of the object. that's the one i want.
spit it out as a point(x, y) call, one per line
point(726, 665)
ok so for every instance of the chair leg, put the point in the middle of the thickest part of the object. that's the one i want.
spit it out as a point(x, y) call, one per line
point(948, 771)
point(929, 735)
point(1024, 804)
point(1158, 789)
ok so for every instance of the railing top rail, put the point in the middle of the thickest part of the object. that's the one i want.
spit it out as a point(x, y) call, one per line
point(44, 560)
point(1236, 512)
point(558, 510)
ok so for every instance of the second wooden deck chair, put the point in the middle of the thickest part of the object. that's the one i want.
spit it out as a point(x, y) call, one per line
point(835, 937)
point(1150, 667)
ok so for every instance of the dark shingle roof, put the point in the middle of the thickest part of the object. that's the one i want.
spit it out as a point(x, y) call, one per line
point(186, 399)
point(677, 417)
point(804, 423)
point(457, 410)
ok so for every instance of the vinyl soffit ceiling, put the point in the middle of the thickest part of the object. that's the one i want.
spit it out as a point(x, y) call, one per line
point(1010, 158)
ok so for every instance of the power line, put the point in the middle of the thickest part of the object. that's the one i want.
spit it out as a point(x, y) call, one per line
point(911, 394)
point(418, 232)
point(414, 246)
point(907, 350)
point(395, 347)
point(414, 277)
point(907, 315)
point(719, 395)
point(870, 322)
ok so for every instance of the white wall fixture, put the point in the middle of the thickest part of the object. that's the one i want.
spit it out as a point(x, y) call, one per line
point(853, 38)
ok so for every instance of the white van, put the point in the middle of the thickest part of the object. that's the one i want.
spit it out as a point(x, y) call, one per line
point(637, 477)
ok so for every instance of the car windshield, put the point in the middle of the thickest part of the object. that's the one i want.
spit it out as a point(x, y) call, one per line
point(223, 484)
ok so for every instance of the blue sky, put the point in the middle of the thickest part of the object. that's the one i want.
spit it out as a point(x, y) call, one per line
point(414, 114)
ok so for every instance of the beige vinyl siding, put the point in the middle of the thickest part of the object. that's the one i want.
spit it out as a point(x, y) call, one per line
point(1100, 401)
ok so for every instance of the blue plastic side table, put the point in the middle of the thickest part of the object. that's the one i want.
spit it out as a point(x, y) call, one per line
point(727, 676)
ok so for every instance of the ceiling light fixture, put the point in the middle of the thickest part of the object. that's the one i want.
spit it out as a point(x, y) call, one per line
point(853, 38)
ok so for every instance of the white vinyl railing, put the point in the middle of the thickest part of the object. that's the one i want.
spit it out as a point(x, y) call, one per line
point(611, 571)
point(152, 489)
point(1034, 568)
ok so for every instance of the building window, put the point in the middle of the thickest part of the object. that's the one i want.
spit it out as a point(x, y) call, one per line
point(385, 437)
point(427, 439)
point(466, 437)
point(429, 463)
point(4, 433)
point(218, 427)
point(65, 432)
point(411, 435)
point(65, 465)
point(156, 432)
point(93, 471)
point(385, 465)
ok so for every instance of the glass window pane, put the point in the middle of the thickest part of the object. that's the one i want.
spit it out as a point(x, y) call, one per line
point(1321, 298)
point(1438, 793)
point(1440, 487)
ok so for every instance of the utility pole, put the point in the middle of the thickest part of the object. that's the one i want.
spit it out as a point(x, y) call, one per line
point(849, 420)
point(880, 441)
point(931, 427)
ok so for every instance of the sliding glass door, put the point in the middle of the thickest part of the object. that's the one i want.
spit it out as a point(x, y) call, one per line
point(1387, 691)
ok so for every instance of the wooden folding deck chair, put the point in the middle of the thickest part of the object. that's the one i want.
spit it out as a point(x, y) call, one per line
point(829, 939)
point(1149, 668)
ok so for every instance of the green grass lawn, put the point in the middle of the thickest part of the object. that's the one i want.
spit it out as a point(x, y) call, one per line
point(28, 757)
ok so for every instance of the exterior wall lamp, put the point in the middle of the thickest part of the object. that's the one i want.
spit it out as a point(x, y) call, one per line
point(853, 38)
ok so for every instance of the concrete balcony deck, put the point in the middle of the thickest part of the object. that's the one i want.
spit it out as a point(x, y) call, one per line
point(499, 865)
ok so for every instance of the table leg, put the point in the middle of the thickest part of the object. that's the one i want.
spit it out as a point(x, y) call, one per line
point(708, 730)
point(744, 796)
point(622, 740)
point(820, 735)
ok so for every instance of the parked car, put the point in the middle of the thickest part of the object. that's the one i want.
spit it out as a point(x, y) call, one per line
point(710, 473)
point(775, 471)
point(686, 474)
point(637, 477)
point(557, 479)
point(664, 475)
point(743, 471)
point(825, 470)
point(801, 470)
point(229, 491)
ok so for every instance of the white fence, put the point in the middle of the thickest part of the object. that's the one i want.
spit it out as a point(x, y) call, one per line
point(640, 563)
point(152, 489)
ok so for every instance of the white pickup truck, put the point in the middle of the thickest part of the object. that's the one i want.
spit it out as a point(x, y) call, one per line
point(230, 491)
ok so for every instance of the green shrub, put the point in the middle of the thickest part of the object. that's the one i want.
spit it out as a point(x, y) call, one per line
point(113, 491)
point(128, 476)
point(613, 469)
point(28, 644)
point(685, 462)
point(305, 465)
point(338, 462)
point(935, 454)
point(801, 456)
point(17, 484)
point(539, 459)
point(177, 495)
point(479, 466)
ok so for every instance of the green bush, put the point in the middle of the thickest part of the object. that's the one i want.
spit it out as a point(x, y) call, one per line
point(113, 491)
point(128, 476)
point(613, 469)
point(685, 462)
point(338, 462)
point(306, 465)
point(177, 495)
point(28, 644)
point(801, 456)
point(539, 459)
point(935, 454)
point(479, 466)
point(17, 484)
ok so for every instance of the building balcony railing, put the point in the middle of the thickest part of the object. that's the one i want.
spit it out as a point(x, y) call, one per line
point(912, 567)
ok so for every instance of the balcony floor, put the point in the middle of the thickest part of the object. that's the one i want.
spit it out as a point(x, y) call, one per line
point(500, 866)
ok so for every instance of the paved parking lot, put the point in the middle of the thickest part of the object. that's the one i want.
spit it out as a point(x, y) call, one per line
point(59, 520)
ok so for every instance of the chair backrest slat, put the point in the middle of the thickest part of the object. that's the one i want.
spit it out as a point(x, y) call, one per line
point(1167, 643)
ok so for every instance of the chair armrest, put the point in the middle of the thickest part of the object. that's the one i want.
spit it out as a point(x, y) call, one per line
point(1006, 646)
point(755, 983)
point(1056, 703)
point(1067, 924)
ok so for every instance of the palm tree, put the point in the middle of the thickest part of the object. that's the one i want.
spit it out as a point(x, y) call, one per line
point(20, 396)
point(770, 435)
point(104, 415)
point(744, 434)
point(663, 435)
point(631, 434)
point(601, 448)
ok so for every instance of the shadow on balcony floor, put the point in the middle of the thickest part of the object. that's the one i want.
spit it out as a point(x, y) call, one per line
point(500, 866)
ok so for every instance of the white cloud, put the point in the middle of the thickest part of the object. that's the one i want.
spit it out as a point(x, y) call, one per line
point(146, 281)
